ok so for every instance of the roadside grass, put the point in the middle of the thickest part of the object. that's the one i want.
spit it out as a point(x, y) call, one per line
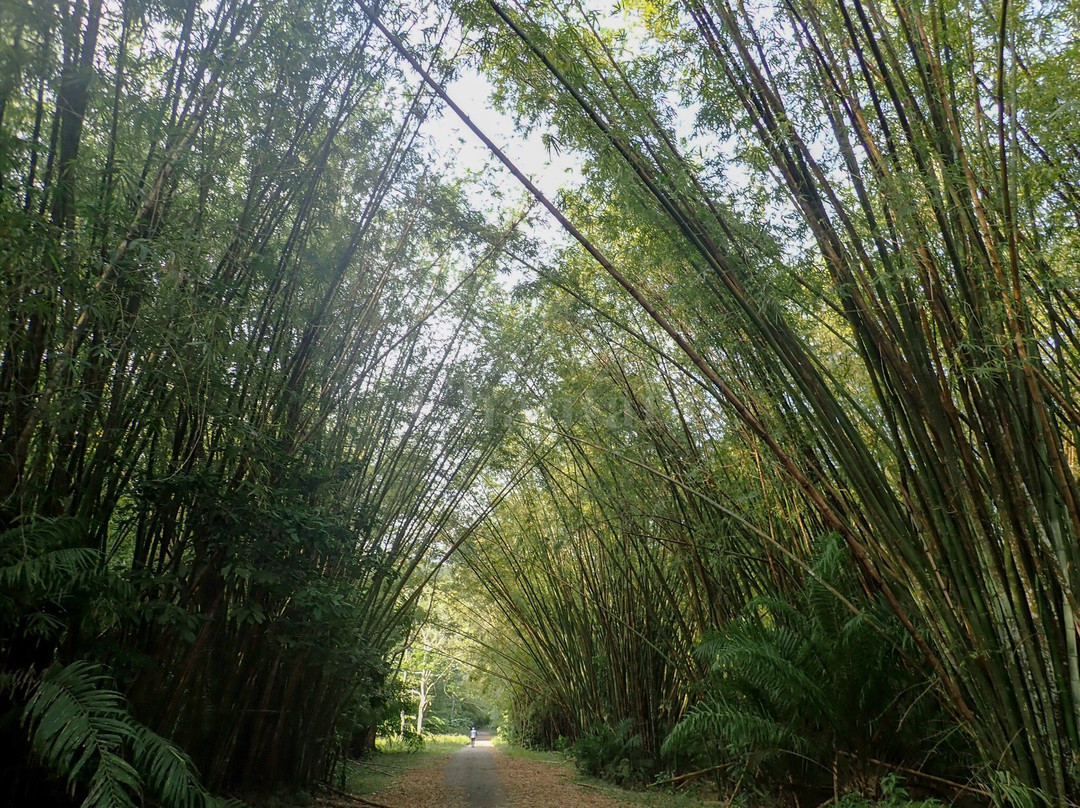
point(394, 758)
point(701, 793)
point(514, 751)
point(433, 745)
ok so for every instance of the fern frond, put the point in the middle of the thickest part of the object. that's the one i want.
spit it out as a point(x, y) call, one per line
point(805, 677)
point(168, 771)
point(772, 665)
point(17, 681)
point(40, 562)
point(39, 533)
point(81, 727)
point(831, 572)
point(75, 720)
point(44, 570)
point(113, 783)
point(736, 730)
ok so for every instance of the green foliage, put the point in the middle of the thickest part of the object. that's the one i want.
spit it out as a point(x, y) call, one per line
point(42, 560)
point(43, 573)
point(81, 728)
point(408, 742)
point(890, 798)
point(254, 364)
point(78, 724)
point(613, 753)
point(1006, 791)
point(803, 688)
point(850, 219)
point(240, 377)
point(894, 793)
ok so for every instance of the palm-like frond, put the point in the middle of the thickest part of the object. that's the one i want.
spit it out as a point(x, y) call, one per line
point(168, 771)
point(81, 727)
point(801, 678)
point(734, 731)
point(42, 557)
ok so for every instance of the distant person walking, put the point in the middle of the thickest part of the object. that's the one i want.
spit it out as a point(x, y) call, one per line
point(472, 737)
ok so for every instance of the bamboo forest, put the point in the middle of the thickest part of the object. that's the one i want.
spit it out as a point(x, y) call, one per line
point(688, 388)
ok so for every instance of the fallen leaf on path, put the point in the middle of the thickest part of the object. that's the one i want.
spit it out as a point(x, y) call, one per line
point(525, 783)
point(539, 784)
point(422, 787)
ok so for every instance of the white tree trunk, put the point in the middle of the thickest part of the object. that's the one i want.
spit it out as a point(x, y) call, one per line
point(421, 703)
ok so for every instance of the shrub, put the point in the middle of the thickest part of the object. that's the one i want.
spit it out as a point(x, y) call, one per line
point(613, 753)
point(803, 690)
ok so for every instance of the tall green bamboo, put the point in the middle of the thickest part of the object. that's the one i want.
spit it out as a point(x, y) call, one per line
point(611, 558)
point(244, 357)
point(908, 191)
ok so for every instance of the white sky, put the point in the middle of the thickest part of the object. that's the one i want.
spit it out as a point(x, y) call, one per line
point(450, 137)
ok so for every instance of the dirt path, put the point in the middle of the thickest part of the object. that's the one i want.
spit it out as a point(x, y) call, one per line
point(472, 773)
point(483, 777)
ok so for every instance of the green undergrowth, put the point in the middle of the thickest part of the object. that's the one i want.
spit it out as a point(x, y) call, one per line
point(514, 751)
